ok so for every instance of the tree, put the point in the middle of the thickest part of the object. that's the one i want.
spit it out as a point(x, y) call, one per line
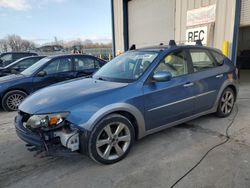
point(3, 45)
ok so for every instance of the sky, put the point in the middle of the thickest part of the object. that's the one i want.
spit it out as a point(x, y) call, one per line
point(43, 20)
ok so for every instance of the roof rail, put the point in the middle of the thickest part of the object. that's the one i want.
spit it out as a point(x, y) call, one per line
point(172, 43)
point(133, 47)
point(198, 43)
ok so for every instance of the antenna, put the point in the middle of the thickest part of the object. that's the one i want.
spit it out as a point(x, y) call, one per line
point(172, 43)
point(133, 47)
point(199, 43)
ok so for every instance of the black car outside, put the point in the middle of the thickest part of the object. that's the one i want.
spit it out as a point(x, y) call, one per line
point(9, 57)
point(19, 65)
point(49, 70)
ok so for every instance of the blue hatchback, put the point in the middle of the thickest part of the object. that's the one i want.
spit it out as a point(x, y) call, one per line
point(136, 94)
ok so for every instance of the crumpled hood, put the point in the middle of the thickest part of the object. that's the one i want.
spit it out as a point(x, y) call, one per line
point(61, 97)
point(12, 77)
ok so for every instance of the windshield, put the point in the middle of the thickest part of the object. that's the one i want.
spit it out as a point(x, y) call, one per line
point(127, 67)
point(32, 69)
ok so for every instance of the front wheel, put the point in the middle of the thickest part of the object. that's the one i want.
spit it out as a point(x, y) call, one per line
point(112, 139)
point(12, 99)
point(226, 103)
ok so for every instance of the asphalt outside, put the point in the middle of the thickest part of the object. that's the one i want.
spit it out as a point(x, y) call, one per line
point(157, 161)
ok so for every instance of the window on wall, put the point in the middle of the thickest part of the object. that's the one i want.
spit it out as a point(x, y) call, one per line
point(202, 60)
point(175, 63)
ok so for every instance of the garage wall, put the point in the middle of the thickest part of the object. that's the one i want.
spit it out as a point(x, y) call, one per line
point(118, 26)
point(151, 22)
point(224, 25)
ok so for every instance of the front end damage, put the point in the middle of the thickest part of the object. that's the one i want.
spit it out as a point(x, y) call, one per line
point(49, 134)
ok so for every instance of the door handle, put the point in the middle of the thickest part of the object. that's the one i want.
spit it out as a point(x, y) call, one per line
point(189, 84)
point(219, 76)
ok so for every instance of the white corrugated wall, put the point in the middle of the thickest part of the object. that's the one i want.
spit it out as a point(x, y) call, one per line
point(224, 25)
point(153, 21)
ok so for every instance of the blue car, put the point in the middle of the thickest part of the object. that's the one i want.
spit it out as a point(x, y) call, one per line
point(136, 94)
point(19, 65)
point(49, 70)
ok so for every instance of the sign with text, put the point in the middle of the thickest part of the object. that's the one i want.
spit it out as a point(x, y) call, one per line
point(198, 33)
point(201, 16)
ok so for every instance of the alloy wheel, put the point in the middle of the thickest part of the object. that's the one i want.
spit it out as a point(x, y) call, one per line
point(113, 141)
point(227, 102)
point(14, 100)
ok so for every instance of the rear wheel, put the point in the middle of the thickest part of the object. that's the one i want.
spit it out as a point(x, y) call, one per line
point(111, 140)
point(12, 99)
point(226, 103)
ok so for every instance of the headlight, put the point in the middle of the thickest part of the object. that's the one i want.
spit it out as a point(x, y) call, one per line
point(46, 120)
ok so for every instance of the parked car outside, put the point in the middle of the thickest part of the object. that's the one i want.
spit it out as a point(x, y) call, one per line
point(19, 65)
point(9, 57)
point(136, 94)
point(49, 70)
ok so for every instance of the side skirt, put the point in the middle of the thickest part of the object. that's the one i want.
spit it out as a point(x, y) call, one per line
point(213, 110)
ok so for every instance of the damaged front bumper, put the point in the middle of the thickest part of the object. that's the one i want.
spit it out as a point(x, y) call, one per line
point(63, 139)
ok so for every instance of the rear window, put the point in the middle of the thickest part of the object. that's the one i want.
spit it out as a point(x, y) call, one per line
point(218, 57)
point(202, 60)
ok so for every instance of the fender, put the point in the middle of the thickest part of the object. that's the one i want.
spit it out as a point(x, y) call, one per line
point(227, 83)
point(90, 124)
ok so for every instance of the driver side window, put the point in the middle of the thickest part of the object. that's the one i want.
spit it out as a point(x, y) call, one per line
point(174, 63)
point(59, 66)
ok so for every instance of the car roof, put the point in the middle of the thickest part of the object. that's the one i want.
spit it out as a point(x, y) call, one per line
point(175, 47)
point(72, 55)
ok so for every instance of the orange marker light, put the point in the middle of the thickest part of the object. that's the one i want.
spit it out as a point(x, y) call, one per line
point(53, 121)
point(230, 77)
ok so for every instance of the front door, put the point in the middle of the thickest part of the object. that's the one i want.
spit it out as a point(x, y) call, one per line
point(57, 70)
point(170, 101)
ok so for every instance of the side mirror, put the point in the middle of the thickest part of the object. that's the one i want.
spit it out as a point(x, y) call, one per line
point(41, 74)
point(162, 76)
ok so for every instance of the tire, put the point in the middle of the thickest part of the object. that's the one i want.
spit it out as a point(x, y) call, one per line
point(226, 103)
point(111, 139)
point(12, 99)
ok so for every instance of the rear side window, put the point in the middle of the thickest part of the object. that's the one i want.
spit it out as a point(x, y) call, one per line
point(218, 57)
point(7, 57)
point(26, 63)
point(202, 60)
point(83, 63)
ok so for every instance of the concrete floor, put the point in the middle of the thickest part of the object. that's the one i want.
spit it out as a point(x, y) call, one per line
point(155, 161)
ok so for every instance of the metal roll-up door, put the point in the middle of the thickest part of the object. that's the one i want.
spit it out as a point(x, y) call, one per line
point(151, 22)
point(245, 13)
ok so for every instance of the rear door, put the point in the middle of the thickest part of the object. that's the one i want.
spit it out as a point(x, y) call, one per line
point(85, 66)
point(208, 77)
point(167, 102)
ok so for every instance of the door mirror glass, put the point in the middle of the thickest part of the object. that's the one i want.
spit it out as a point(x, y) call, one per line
point(162, 76)
point(42, 74)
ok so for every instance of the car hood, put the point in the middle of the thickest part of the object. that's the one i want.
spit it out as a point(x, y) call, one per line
point(12, 77)
point(62, 97)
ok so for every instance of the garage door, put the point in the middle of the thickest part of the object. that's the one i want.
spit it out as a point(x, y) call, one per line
point(245, 13)
point(151, 22)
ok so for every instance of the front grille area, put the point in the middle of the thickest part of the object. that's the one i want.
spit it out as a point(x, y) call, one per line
point(25, 116)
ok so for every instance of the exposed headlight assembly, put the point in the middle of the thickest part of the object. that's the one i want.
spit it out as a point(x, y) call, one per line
point(46, 120)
